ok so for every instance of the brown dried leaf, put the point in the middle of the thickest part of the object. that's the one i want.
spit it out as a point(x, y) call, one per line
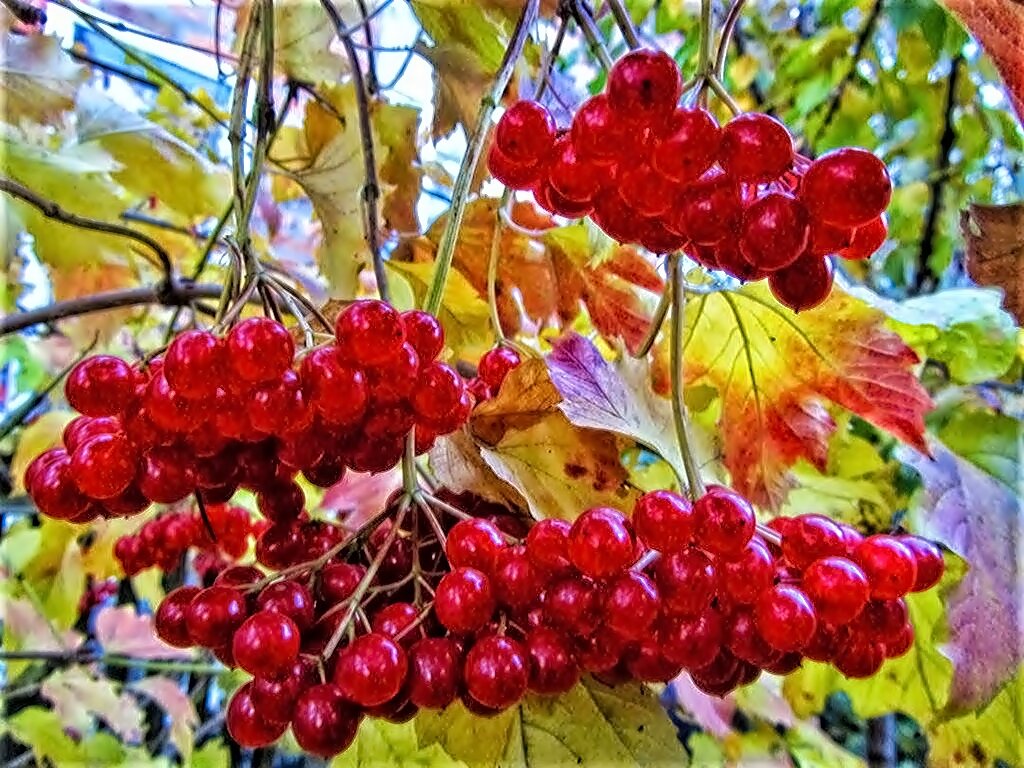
point(995, 250)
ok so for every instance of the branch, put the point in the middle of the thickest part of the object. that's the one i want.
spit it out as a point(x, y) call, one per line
point(175, 295)
point(694, 483)
point(51, 210)
point(372, 85)
point(625, 23)
point(732, 19)
point(371, 190)
point(581, 12)
point(924, 280)
point(474, 149)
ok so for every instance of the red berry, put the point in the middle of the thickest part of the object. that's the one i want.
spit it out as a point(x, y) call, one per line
point(338, 581)
point(214, 614)
point(616, 217)
point(394, 620)
point(280, 406)
point(631, 605)
point(266, 644)
point(325, 723)
point(167, 475)
point(644, 86)
point(281, 502)
point(81, 428)
point(434, 672)
point(826, 239)
point(572, 177)
point(553, 668)
point(464, 601)
point(664, 521)
point(553, 201)
point(168, 410)
point(547, 546)
point(901, 643)
point(438, 393)
point(601, 542)
point(686, 581)
point(259, 349)
point(692, 641)
point(194, 364)
point(689, 146)
point(774, 231)
point(496, 671)
point(104, 465)
point(890, 566)
point(496, 364)
point(837, 587)
point(475, 544)
point(867, 239)
point(804, 284)
point(572, 603)
point(785, 618)
point(424, 333)
point(720, 676)
point(598, 134)
point(811, 537)
point(930, 564)
point(648, 191)
point(709, 210)
point(755, 148)
point(648, 663)
point(238, 576)
point(170, 619)
point(742, 579)
point(860, 660)
point(514, 577)
point(847, 187)
point(369, 332)
point(744, 639)
point(512, 174)
point(338, 392)
point(101, 385)
point(371, 669)
point(525, 132)
point(246, 723)
point(291, 599)
point(725, 522)
point(275, 698)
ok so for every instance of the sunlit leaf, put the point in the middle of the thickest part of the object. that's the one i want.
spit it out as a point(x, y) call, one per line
point(456, 462)
point(381, 743)
point(43, 731)
point(78, 697)
point(989, 440)
point(38, 79)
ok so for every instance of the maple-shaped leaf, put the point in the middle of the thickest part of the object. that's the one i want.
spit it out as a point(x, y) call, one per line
point(994, 235)
point(178, 705)
point(122, 630)
point(79, 697)
point(324, 157)
point(776, 372)
point(38, 79)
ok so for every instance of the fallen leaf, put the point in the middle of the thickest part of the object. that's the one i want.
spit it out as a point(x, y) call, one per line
point(38, 79)
point(980, 520)
point(78, 698)
point(776, 371)
point(122, 630)
point(994, 235)
point(178, 705)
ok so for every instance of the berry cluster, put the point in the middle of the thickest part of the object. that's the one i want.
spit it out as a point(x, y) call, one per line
point(162, 541)
point(494, 366)
point(736, 198)
point(214, 414)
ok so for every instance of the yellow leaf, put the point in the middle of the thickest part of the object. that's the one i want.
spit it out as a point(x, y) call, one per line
point(38, 80)
point(41, 435)
point(98, 558)
point(67, 587)
point(85, 279)
point(302, 41)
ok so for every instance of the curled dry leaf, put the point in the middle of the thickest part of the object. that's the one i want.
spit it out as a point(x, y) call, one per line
point(994, 235)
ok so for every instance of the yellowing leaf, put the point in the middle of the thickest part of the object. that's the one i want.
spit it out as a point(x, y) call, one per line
point(66, 589)
point(42, 730)
point(986, 739)
point(302, 41)
point(591, 725)
point(41, 435)
point(456, 462)
point(98, 558)
point(776, 372)
point(176, 702)
point(78, 697)
point(38, 80)
point(463, 314)
point(324, 157)
point(83, 279)
point(380, 743)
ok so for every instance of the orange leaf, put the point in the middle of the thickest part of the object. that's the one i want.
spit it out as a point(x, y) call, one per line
point(776, 372)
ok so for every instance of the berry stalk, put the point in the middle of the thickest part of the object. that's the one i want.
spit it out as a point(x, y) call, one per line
point(693, 479)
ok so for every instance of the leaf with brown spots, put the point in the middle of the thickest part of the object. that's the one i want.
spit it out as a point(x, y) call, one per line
point(994, 235)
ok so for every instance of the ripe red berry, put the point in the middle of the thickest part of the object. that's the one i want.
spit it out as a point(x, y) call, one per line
point(837, 587)
point(744, 639)
point(275, 698)
point(572, 603)
point(496, 671)
point(742, 579)
point(369, 332)
point(901, 644)
point(438, 393)
point(170, 619)
point(860, 660)
point(785, 618)
point(553, 201)
point(167, 475)
point(214, 614)
point(692, 642)
point(291, 599)
point(279, 407)
point(525, 132)
point(598, 134)
point(338, 392)
point(512, 174)
point(867, 239)
point(774, 231)
point(475, 544)
point(514, 578)
point(104, 465)
point(930, 564)
point(81, 428)
point(709, 210)
point(552, 667)
point(631, 605)
point(689, 146)
point(496, 364)
point(394, 620)
point(644, 86)
point(547, 546)
point(647, 662)
point(890, 566)
point(464, 600)
point(246, 723)
point(101, 385)
point(804, 284)
point(572, 177)
point(338, 581)
point(664, 521)
point(825, 239)
point(686, 582)
point(194, 364)
point(725, 522)
point(648, 191)
point(424, 333)
point(266, 644)
point(755, 148)
point(281, 502)
point(371, 669)
point(811, 537)
point(435, 670)
point(601, 542)
point(847, 187)
point(259, 349)
point(325, 722)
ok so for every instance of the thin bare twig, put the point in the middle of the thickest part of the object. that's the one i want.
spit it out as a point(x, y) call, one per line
point(581, 12)
point(624, 23)
point(372, 84)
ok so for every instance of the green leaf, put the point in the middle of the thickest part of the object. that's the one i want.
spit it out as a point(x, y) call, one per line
point(43, 730)
point(17, 356)
point(987, 439)
point(380, 743)
point(79, 697)
point(979, 740)
point(213, 754)
point(591, 725)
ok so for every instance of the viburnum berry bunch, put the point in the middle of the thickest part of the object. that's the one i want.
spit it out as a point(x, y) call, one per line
point(495, 365)
point(213, 414)
point(735, 198)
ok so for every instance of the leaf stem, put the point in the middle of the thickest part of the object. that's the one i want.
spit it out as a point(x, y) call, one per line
point(464, 180)
point(732, 18)
point(625, 23)
point(679, 418)
point(657, 321)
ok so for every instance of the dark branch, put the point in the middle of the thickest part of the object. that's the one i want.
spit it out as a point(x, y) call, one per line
point(372, 85)
point(925, 279)
point(25, 13)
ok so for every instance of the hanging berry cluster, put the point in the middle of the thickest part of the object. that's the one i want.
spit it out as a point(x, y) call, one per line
point(215, 414)
point(735, 198)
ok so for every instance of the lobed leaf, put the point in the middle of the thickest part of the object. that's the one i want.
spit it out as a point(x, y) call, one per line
point(78, 697)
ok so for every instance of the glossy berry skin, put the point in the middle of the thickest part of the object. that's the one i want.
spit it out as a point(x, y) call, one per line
point(774, 231)
point(547, 546)
point(291, 599)
point(930, 564)
point(339, 392)
point(804, 284)
point(371, 669)
point(369, 332)
point(438, 392)
point(194, 364)
point(553, 201)
point(860, 660)
point(275, 698)
point(686, 581)
point(266, 644)
point(496, 364)
point(631, 605)
point(848, 187)
point(525, 132)
point(475, 544)
point(708, 211)
point(575, 179)
point(866, 240)
point(648, 663)
point(496, 671)
point(514, 578)
point(785, 618)
point(101, 385)
point(725, 522)
point(692, 642)
point(104, 465)
point(598, 134)
point(214, 614)
point(689, 146)
point(246, 724)
point(170, 618)
point(552, 667)
point(464, 600)
point(744, 640)
point(648, 191)
point(338, 581)
point(837, 587)
point(435, 666)
point(325, 723)
point(664, 521)
point(81, 428)
point(743, 578)
point(890, 566)
point(259, 349)
point(573, 604)
point(166, 475)
point(512, 174)
point(601, 542)
point(811, 537)
point(424, 333)
point(755, 148)
point(395, 619)
point(644, 86)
